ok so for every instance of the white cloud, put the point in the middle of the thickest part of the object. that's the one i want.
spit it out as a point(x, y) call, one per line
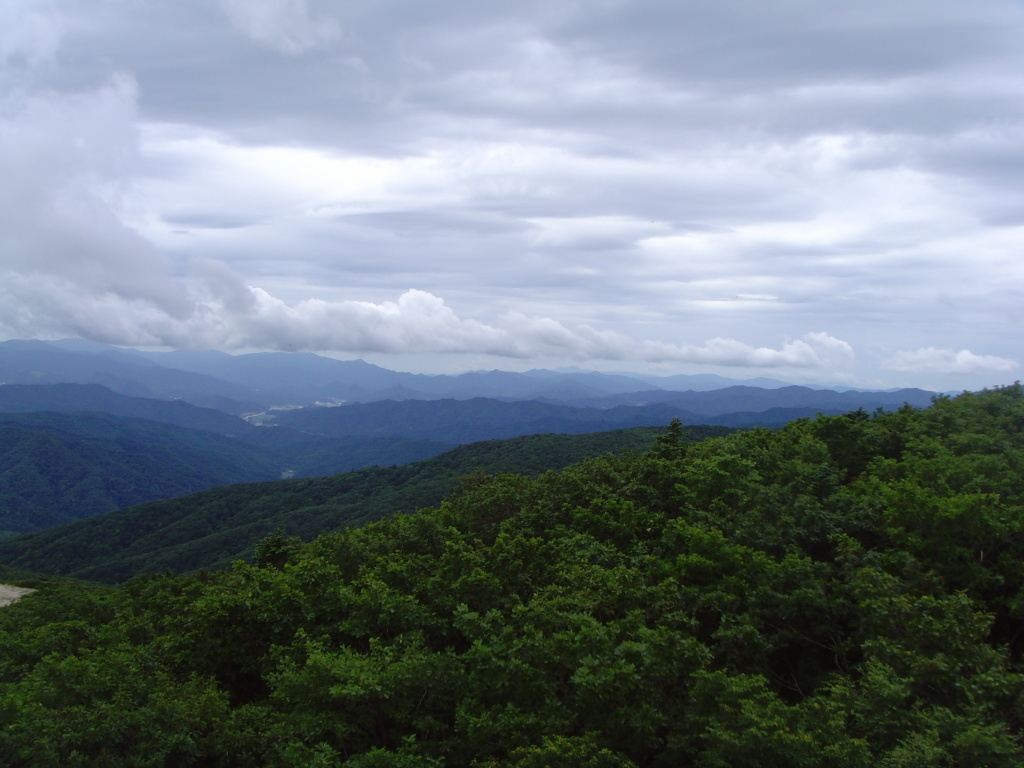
point(421, 322)
point(284, 25)
point(66, 163)
point(223, 313)
point(815, 350)
point(30, 31)
point(931, 360)
point(604, 181)
point(593, 232)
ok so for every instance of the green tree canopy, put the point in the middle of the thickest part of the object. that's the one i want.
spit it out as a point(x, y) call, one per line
point(845, 592)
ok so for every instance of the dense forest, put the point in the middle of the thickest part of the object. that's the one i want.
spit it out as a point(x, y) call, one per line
point(214, 528)
point(60, 467)
point(57, 467)
point(845, 591)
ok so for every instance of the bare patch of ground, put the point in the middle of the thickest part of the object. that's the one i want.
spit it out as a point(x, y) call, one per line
point(9, 594)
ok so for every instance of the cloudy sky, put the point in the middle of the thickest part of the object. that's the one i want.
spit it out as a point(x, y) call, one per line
point(803, 189)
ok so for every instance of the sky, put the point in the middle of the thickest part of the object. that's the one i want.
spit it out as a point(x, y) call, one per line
point(812, 191)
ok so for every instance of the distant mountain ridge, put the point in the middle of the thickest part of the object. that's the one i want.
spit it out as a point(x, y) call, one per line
point(466, 421)
point(122, 371)
point(746, 398)
point(248, 383)
point(86, 428)
point(59, 468)
point(60, 462)
point(450, 421)
point(72, 398)
point(463, 421)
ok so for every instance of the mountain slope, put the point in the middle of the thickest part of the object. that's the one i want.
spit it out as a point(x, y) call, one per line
point(464, 421)
point(56, 467)
point(66, 464)
point(216, 527)
point(123, 371)
point(739, 399)
point(71, 398)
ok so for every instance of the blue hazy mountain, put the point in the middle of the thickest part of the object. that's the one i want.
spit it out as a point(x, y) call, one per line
point(251, 382)
point(122, 371)
point(74, 398)
point(733, 399)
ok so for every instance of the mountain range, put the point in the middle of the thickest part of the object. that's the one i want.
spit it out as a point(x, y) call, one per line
point(88, 428)
point(252, 382)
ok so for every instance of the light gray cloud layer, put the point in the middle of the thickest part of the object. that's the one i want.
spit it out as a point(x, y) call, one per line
point(829, 190)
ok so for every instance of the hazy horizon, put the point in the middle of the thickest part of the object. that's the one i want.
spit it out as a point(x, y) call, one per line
point(803, 191)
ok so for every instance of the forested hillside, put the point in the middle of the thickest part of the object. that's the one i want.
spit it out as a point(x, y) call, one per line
point(57, 467)
point(845, 592)
point(80, 398)
point(464, 421)
point(60, 467)
point(216, 527)
point(70, 451)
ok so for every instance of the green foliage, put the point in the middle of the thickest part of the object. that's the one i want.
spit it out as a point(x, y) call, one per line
point(845, 592)
point(276, 550)
point(214, 528)
point(564, 752)
point(109, 707)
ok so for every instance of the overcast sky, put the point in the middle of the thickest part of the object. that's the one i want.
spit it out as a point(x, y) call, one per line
point(808, 190)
